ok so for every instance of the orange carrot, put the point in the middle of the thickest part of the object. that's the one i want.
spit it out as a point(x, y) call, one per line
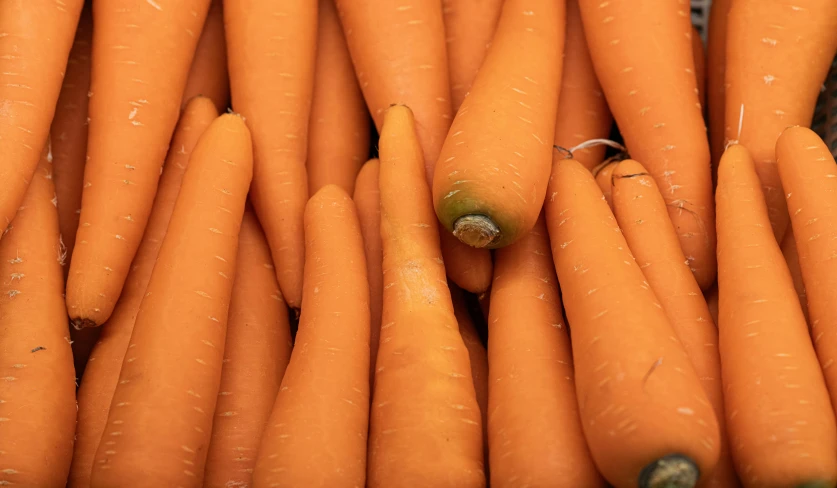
point(712, 302)
point(646, 418)
point(368, 202)
point(141, 54)
point(469, 29)
point(338, 131)
point(271, 48)
point(425, 421)
point(642, 215)
point(699, 55)
point(768, 88)
point(781, 426)
point(172, 369)
point(792, 259)
point(256, 353)
point(716, 54)
point(102, 372)
point(651, 89)
point(470, 268)
point(491, 177)
point(37, 388)
point(604, 180)
point(485, 303)
point(208, 74)
point(534, 431)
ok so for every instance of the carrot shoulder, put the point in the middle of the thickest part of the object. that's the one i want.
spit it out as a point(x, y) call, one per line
point(208, 73)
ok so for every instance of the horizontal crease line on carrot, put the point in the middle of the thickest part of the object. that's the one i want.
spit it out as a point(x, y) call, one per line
point(476, 230)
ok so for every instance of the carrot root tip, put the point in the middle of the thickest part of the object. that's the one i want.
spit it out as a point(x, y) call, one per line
point(476, 230)
point(672, 471)
point(80, 323)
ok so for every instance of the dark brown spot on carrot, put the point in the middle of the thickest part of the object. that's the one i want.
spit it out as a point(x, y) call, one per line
point(671, 471)
point(656, 364)
point(39, 348)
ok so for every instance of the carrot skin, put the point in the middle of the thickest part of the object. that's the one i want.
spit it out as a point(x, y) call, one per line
point(605, 181)
point(791, 255)
point(716, 53)
point(699, 55)
point(208, 74)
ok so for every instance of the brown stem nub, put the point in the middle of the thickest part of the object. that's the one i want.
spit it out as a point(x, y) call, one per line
point(476, 230)
point(83, 323)
point(672, 471)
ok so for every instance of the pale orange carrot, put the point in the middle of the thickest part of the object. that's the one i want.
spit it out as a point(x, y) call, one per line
point(605, 182)
point(792, 259)
point(208, 74)
point(699, 55)
point(716, 54)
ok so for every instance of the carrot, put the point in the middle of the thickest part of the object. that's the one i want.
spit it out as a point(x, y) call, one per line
point(792, 259)
point(470, 268)
point(712, 302)
point(491, 179)
point(469, 29)
point(768, 88)
point(642, 215)
point(256, 353)
point(271, 49)
point(141, 53)
point(172, 369)
point(37, 388)
point(534, 431)
point(650, 87)
point(781, 426)
point(485, 303)
point(716, 53)
point(604, 180)
point(645, 416)
point(699, 55)
point(582, 109)
point(102, 373)
point(338, 140)
point(425, 421)
point(208, 74)
point(368, 202)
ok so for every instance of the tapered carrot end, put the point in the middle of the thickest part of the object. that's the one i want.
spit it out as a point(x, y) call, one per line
point(672, 471)
point(476, 230)
point(80, 323)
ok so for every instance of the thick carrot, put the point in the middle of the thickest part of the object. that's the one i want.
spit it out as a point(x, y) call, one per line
point(582, 109)
point(162, 410)
point(642, 53)
point(605, 182)
point(716, 55)
point(141, 54)
point(34, 48)
point(699, 55)
point(271, 50)
point(425, 421)
point(368, 202)
point(102, 372)
point(256, 353)
point(338, 132)
point(469, 29)
point(534, 431)
point(491, 177)
point(792, 259)
point(781, 426)
point(768, 88)
point(208, 74)
point(646, 418)
point(37, 387)
point(642, 215)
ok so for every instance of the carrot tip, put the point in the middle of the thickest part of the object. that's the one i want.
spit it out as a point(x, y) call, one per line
point(80, 323)
point(672, 471)
point(476, 230)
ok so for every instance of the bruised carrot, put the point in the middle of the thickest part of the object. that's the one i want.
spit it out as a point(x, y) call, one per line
point(102, 372)
point(716, 54)
point(338, 131)
point(141, 54)
point(172, 368)
point(792, 259)
point(37, 388)
point(645, 416)
point(781, 425)
point(271, 49)
point(534, 431)
point(256, 353)
point(208, 73)
point(605, 182)
point(767, 87)
point(642, 215)
point(699, 55)
point(491, 177)
point(425, 421)
point(651, 89)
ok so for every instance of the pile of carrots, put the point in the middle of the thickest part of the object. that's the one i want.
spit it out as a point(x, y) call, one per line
point(585, 252)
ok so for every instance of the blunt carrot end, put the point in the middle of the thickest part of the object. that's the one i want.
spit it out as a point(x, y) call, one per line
point(476, 230)
point(82, 323)
point(672, 471)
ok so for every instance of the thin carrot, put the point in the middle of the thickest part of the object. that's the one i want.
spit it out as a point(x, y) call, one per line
point(271, 50)
point(650, 87)
point(582, 109)
point(102, 372)
point(716, 54)
point(256, 353)
point(141, 54)
point(172, 369)
point(37, 387)
point(781, 425)
point(368, 202)
point(792, 259)
point(711, 296)
point(646, 418)
point(605, 182)
point(208, 73)
point(767, 87)
point(699, 55)
point(425, 421)
point(490, 181)
point(338, 132)
point(642, 215)
point(469, 29)
point(470, 268)
point(534, 431)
